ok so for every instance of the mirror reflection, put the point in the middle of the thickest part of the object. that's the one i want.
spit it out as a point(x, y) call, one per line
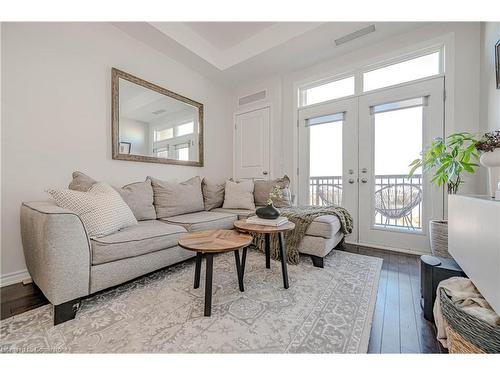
point(156, 127)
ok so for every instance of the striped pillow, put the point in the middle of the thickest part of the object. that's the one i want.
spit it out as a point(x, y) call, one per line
point(102, 209)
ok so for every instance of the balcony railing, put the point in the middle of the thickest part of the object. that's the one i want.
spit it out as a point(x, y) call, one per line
point(398, 199)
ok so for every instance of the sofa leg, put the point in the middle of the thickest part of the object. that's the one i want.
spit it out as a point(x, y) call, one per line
point(66, 311)
point(340, 245)
point(317, 261)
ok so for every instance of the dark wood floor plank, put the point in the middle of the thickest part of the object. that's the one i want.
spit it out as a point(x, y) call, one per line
point(390, 334)
point(375, 343)
point(407, 324)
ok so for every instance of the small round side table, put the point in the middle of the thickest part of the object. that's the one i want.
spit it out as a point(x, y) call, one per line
point(242, 226)
point(212, 242)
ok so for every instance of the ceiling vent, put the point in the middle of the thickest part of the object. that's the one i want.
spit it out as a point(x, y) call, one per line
point(357, 34)
point(160, 111)
point(244, 100)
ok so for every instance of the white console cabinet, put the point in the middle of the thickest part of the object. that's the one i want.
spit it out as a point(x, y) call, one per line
point(474, 242)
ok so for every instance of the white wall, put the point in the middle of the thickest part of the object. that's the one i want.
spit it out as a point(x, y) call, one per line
point(56, 91)
point(490, 95)
point(462, 87)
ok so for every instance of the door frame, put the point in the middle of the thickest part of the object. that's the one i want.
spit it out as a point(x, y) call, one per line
point(249, 109)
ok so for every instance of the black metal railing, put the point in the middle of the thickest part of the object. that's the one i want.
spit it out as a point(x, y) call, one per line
point(394, 193)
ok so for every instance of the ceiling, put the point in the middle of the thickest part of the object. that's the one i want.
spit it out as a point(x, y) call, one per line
point(224, 35)
point(234, 53)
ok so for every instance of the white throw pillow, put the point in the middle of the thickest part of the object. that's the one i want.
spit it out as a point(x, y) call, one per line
point(102, 209)
point(239, 195)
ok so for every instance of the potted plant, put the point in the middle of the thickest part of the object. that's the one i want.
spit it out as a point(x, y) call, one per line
point(448, 158)
point(269, 211)
point(489, 146)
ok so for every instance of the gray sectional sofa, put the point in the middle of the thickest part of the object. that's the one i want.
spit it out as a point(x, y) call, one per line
point(67, 265)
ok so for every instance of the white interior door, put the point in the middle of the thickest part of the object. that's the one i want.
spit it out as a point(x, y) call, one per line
point(252, 143)
point(328, 156)
point(395, 125)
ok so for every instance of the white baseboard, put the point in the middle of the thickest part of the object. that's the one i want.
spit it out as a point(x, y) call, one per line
point(389, 248)
point(14, 277)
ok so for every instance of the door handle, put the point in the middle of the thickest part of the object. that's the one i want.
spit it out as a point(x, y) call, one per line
point(351, 180)
point(364, 180)
point(264, 173)
point(364, 170)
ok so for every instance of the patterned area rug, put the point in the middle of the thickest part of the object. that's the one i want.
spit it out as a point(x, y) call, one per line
point(326, 310)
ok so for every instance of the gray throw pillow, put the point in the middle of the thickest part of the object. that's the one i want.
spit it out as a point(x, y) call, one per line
point(81, 182)
point(213, 194)
point(239, 195)
point(174, 198)
point(138, 195)
point(263, 188)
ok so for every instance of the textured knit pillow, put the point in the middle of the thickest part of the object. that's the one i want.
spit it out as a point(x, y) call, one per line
point(263, 188)
point(137, 195)
point(101, 209)
point(239, 195)
point(174, 198)
point(213, 194)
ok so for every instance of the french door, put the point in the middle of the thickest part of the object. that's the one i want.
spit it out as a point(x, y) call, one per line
point(328, 156)
point(380, 133)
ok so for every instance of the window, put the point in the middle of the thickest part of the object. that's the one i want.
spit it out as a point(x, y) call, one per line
point(161, 135)
point(183, 154)
point(184, 129)
point(328, 91)
point(405, 71)
point(162, 153)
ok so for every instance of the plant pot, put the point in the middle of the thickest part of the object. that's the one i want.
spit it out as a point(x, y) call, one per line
point(438, 230)
point(268, 212)
point(491, 160)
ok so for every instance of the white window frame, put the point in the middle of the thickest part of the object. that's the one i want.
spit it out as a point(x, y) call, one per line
point(364, 68)
point(445, 42)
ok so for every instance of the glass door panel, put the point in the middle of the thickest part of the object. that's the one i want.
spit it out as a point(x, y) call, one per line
point(398, 141)
point(325, 163)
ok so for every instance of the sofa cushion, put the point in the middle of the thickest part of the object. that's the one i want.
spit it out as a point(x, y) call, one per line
point(203, 220)
point(239, 195)
point(174, 198)
point(145, 237)
point(240, 212)
point(213, 194)
point(262, 188)
point(324, 226)
point(101, 209)
point(137, 195)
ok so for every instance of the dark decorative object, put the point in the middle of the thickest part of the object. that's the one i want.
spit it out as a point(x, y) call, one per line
point(489, 142)
point(433, 270)
point(268, 212)
point(497, 62)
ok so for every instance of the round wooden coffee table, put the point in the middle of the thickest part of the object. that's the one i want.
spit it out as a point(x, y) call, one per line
point(212, 242)
point(242, 226)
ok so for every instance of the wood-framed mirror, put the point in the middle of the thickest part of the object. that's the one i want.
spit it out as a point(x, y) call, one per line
point(153, 124)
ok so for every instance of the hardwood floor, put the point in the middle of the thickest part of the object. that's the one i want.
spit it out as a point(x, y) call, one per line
point(398, 322)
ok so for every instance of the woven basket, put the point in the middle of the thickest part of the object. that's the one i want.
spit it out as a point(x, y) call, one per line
point(466, 333)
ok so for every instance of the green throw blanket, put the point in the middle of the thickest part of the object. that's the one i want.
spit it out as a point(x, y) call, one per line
point(302, 217)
